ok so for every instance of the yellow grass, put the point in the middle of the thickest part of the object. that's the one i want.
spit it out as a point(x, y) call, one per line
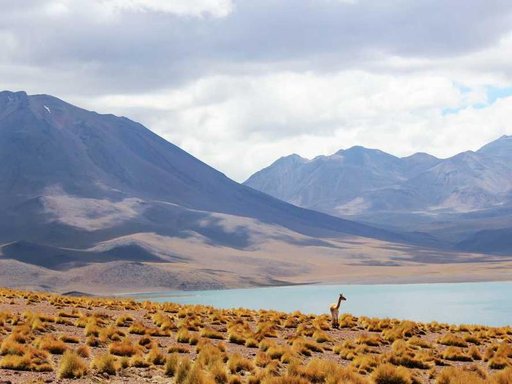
point(71, 366)
point(201, 344)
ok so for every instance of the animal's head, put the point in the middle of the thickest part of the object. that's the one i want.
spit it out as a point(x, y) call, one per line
point(342, 297)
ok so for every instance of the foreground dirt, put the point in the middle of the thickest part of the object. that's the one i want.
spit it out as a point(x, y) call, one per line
point(123, 341)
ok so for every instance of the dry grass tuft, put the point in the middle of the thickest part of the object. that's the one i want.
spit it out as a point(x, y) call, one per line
point(123, 348)
point(104, 363)
point(389, 374)
point(72, 366)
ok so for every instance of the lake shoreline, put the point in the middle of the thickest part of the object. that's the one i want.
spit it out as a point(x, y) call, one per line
point(485, 303)
point(350, 284)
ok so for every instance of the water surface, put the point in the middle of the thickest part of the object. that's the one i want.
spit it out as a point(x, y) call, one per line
point(469, 303)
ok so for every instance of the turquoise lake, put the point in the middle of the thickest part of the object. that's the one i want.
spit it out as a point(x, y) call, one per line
point(469, 303)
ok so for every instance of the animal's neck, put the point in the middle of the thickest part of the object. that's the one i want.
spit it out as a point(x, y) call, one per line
point(339, 303)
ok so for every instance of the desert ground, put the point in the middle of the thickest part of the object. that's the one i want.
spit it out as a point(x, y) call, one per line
point(266, 261)
point(48, 338)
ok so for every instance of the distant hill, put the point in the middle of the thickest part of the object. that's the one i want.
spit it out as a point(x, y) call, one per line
point(418, 192)
point(83, 193)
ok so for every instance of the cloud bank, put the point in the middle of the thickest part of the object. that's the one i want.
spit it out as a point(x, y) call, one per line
point(240, 83)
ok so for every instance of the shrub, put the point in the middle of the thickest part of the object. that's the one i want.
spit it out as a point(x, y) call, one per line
point(389, 374)
point(92, 341)
point(498, 362)
point(15, 362)
point(452, 375)
point(155, 357)
point(419, 342)
point(52, 345)
point(208, 355)
point(183, 336)
point(71, 366)
point(83, 351)
point(305, 347)
point(238, 363)
point(11, 347)
point(365, 363)
point(137, 328)
point(474, 352)
point(503, 377)
point(404, 356)
point(403, 330)
point(211, 334)
point(104, 363)
point(251, 343)
point(124, 321)
point(138, 361)
point(455, 354)
point(370, 340)
point(276, 352)
point(452, 340)
point(92, 329)
point(262, 359)
point(219, 372)
point(69, 339)
point(236, 337)
point(40, 361)
point(184, 367)
point(123, 348)
point(346, 320)
point(194, 340)
point(171, 364)
point(178, 349)
point(321, 337)
point(322, 370)
point(145, 341)
point(198, 376)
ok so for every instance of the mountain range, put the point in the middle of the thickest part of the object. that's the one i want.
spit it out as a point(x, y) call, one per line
point(465, 200)
point(99, 203)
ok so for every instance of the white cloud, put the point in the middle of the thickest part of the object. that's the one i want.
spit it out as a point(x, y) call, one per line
point(216, 8)
point(239, 124)
point(9, 44)
point(241, 83)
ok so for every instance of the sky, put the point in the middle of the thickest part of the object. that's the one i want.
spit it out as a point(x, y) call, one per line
point(240, 83)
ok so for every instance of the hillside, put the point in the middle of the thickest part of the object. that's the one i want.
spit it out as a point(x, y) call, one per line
point(100, 203)
point(419, 192)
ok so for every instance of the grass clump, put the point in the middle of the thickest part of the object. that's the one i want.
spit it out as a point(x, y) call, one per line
point(452, 375)
point(11, 347)
point(171, 364)
point(452, 340)
point(104, 363)
point(51, 344)
point(72, 366)
point(321, 337)
point(456, 354)
point(237, 363)
point(183, 370)
point(123, 348)
point(389, 374)
point(211, 334)
point(16, 362)
point(69, 339)
point(155, 357)
point(138, 361)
